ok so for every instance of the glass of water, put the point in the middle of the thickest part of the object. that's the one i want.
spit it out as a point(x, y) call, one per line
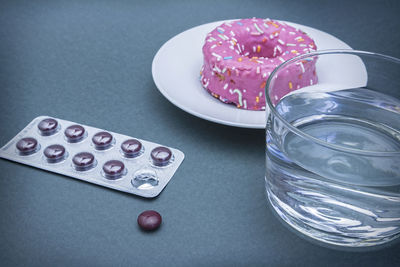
point(333, 146)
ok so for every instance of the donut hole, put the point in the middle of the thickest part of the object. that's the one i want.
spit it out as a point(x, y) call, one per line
point(260, 48)
point(253, 45)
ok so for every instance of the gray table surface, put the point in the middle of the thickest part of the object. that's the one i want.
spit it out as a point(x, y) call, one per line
point(90, 62)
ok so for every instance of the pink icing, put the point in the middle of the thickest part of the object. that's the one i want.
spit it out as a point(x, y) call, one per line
point(239, 56)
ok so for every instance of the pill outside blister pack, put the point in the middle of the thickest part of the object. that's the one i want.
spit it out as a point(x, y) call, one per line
point(94, 155)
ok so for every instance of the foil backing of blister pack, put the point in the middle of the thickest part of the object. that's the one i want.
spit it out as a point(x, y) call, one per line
point(142, 175)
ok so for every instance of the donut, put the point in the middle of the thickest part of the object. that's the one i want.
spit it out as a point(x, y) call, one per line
point(240, 55)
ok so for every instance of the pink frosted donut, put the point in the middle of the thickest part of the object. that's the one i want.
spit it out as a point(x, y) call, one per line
point(240, 55)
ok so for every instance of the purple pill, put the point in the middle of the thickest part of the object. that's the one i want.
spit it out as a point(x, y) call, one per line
point(161, 156)
point(113, 169)
point(27, 146)
point(83, 161)
point(74, 133)
point(48, 126)
point(102, 140)
point(131, 148)
point(149, 220)
point(54, 153)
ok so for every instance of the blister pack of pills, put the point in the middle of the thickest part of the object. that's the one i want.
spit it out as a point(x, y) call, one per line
point(94, 155)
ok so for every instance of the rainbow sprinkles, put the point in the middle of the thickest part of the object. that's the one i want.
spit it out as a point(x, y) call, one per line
point(239, 56)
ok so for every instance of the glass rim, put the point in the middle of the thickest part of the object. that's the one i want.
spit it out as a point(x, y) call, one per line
point(306, 136)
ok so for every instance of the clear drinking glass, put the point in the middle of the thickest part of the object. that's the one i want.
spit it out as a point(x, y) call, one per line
point(333, 146)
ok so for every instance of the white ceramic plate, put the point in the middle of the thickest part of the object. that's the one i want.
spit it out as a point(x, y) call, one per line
point(176, 70)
